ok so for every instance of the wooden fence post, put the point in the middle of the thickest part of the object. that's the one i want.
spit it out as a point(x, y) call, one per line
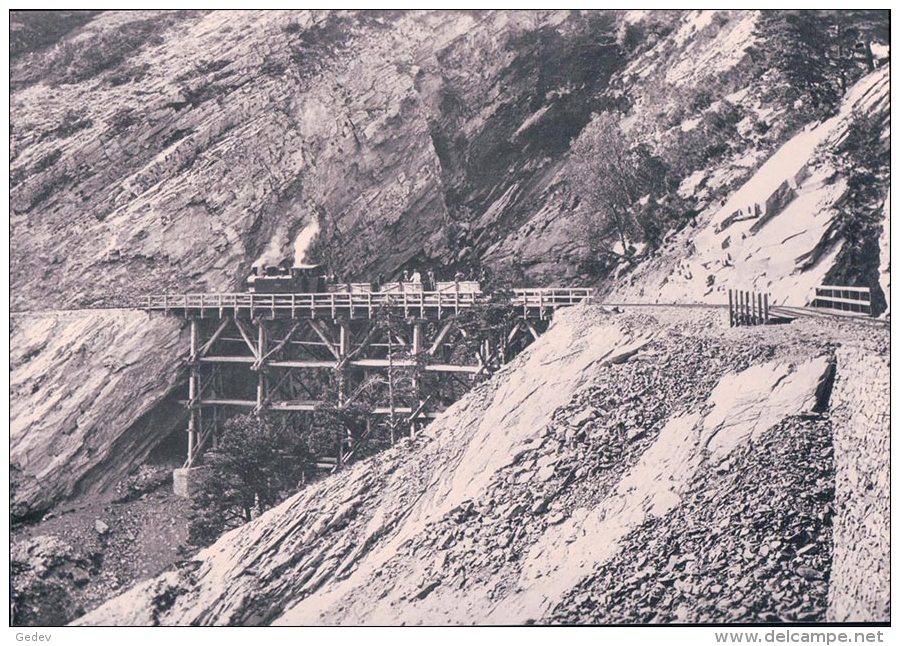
point(730, 310)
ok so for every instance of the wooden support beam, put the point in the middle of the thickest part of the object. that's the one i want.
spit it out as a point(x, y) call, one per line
point(303, 363)
point(439, 339)
point(193, 394)
point(408, 363)
point(227, 359)
point(417, 337)
point(284, 341)
point(246, 336)
point(261, 373)
point(370, 333)
point(243, 403)
point(414, 414)
point(343, 344)
point(195, 339)
point(274, 389)
point(514, 332)
point(215, 337)
point(314, 325)
point(296, 406)
point(343, 338)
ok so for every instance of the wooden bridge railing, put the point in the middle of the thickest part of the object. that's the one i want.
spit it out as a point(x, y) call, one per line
point(359, 303)
point(544, 300)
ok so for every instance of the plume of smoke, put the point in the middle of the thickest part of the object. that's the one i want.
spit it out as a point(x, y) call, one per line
point(276, 249)
point(273, 253)
point(304, 240)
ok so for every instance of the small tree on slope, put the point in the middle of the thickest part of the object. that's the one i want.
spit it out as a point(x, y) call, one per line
point(611, 173)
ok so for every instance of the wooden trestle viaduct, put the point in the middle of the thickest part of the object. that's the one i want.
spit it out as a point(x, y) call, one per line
point(302, 353)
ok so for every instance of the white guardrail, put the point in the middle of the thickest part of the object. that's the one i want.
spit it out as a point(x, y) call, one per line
point(333, 301)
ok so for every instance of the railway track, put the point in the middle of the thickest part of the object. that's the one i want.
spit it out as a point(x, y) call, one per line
point(781, 311)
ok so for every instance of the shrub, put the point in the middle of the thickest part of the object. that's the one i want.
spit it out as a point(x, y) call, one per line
point(256, 464)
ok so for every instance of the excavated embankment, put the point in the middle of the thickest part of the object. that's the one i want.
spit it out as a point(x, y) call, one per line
point(645, 466)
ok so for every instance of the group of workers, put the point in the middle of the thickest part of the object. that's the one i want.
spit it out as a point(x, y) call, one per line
point(415, 277)
point(430, 281)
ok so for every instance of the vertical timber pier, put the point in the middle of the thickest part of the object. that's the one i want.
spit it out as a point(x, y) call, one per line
point(302, 353)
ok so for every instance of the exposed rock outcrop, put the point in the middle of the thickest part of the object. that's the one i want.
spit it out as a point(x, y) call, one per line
point(86, 389)
point(225, 132)
point(775, 233)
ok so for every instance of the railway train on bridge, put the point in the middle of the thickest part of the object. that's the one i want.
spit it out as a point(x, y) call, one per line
point(288, 278)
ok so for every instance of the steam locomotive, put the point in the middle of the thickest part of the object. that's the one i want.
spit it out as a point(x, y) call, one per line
point(287, 279)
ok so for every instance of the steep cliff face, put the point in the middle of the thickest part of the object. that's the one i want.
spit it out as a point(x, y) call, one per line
point(86, 392)
point(217, 136)
point(778, 232)
point(616, 443)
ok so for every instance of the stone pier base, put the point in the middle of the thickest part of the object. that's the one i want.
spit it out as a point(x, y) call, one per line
point(185, 482)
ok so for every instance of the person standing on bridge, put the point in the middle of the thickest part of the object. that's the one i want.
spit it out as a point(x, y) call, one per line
point(457, 277)
point(432, 285)
point(416, 277)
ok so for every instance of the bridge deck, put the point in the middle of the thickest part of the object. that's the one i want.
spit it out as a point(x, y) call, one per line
point(538, 302)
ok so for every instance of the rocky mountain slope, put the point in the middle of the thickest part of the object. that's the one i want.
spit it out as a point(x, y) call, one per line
point(776, 232)
point(168, 151)
point(79, 556)
point(616, 443)
point(215, 137)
